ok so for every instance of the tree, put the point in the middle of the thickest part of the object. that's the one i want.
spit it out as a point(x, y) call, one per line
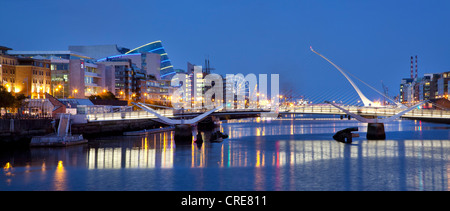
point(19, 102)
point(103, 96)
point(7, 100)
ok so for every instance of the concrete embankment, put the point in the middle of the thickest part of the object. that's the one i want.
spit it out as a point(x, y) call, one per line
point(433, 120)
point(114, 127)
point(20, 131)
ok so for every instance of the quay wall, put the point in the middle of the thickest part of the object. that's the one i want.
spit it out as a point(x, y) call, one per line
point(20, 131)
point(113, 127)
point(432, 120)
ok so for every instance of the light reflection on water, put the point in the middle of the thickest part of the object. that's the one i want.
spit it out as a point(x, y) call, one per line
point(260, 154)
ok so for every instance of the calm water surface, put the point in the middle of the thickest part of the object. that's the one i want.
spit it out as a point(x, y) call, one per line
point(260, 154)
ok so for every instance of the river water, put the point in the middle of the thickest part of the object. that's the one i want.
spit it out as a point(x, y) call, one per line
point(294, 153)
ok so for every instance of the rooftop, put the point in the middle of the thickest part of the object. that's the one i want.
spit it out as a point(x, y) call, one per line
point(49, 53)
point(3, 48)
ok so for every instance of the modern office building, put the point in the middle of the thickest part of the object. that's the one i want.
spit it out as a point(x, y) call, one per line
point(122, 71)
point(135, 84)
point(147, 63)
point(166, 67)
point(98, 51)
point(431, 86)
point(151, 57)
point(142, 74)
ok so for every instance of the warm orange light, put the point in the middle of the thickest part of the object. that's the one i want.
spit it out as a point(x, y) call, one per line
point(7, 166)
point(104, 90)
point(60, 164)
point(59, 86)
point(76, 90)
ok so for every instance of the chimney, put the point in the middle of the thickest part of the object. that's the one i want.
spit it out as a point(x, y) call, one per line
point(416, 66)
point(412, 67)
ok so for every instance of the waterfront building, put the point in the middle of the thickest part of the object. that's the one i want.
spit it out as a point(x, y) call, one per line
point(431, 86)
point(194, 86)
point(141, 74)
point(442, 87)
point(122, 69)
point(27, 76)
point(7, 67)
point(406, 90)
point(156, 47)
point(135, 84)
point(73, 74)
point(98, 51)
point(151, 57)
point(32, 77)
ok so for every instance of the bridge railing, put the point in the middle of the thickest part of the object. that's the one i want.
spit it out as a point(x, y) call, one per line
point(324, 109)
point(316, 109)
point(139, 114)
point(224, 110)
point(428, 113)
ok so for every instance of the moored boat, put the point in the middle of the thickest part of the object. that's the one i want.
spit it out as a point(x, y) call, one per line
point(57, 141)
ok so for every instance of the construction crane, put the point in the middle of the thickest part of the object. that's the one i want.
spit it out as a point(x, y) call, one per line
point(386, 92)
point(207, 69)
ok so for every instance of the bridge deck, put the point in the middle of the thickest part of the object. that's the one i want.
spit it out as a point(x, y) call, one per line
point(363, 111)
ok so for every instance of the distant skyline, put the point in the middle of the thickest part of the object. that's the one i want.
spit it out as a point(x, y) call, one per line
point(372, 40)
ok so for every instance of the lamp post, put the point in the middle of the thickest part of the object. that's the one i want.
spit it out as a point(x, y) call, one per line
point(74, 91)
point(64, 85)
point(26, 80)
point(59, 88)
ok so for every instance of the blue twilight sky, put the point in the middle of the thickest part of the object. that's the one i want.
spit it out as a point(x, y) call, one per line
point(372, 40)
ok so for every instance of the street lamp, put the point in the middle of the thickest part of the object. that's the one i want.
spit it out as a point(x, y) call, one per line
point(120, 94)
point(59, 88)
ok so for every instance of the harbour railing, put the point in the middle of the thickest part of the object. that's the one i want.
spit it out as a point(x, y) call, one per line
point(139, 114)
point(315, 109)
